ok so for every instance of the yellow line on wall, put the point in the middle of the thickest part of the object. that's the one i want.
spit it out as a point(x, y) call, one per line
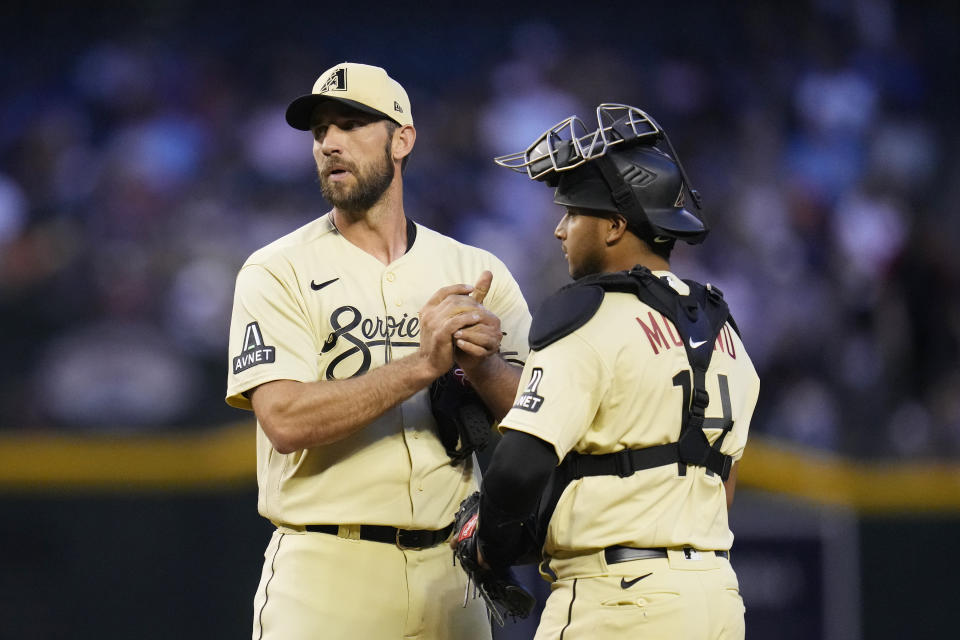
point(225, 456)
point(877, 486)
point(202, 459)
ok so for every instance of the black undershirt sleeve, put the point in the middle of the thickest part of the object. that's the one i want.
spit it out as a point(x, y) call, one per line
point(512, 485)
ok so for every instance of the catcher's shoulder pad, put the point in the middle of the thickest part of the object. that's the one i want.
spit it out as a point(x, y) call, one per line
point(572, 306)
point(563, 313)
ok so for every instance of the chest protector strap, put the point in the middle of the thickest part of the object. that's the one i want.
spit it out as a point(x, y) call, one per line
point(699, 317)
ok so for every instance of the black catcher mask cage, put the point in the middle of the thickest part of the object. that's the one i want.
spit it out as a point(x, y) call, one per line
point(616, 168)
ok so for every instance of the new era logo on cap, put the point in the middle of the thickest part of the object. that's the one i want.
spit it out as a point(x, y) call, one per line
point(360, 86)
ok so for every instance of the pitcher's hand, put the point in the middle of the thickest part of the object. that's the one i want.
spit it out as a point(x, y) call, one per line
point(478, 341)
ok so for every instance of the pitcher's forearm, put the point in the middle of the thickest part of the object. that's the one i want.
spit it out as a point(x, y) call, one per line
point(299, 415)
point(496, 381)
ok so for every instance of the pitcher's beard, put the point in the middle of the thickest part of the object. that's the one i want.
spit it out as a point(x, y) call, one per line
point(369, 188)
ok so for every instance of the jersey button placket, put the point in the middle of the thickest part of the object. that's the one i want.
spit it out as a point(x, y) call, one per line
point(388, 291)
point(391, 294)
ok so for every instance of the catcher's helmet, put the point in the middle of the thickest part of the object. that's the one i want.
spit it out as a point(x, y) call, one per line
point(616, 169)
point(656, 186)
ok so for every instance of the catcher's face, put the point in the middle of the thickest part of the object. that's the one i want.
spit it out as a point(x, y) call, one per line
point(582, 240)
point(353, 152)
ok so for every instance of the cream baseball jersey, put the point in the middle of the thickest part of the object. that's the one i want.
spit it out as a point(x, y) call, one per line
point(312, 306)
point(617, 383)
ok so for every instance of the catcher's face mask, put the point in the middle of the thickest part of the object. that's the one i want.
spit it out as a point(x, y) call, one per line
point(617, 168)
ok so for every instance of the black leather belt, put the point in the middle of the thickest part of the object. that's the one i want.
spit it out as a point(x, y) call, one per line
point(403, 538)
point(616, 554)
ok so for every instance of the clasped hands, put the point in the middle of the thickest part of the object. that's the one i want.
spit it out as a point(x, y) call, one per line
point(455, 327)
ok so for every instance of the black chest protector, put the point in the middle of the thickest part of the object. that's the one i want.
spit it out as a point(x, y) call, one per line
point(699, 317)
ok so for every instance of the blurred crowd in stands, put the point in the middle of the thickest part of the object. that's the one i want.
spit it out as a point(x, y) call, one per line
point(144, 155)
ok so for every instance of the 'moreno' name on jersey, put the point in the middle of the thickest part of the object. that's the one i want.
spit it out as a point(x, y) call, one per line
point(660, 341)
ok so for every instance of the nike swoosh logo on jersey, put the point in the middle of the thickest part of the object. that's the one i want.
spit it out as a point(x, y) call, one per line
point(317, 287)
point(626, 584)
point(695, 345)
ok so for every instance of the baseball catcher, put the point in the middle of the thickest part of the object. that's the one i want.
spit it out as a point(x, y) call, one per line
point(619, 456)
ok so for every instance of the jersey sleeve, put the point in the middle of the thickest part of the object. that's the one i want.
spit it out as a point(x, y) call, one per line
point(507, 302)
point(270, 336)
point(559, 393)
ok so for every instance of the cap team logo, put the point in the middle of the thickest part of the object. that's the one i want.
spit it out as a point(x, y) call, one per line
point(397, 107)
point(529, 400)
point(254, 351)
point(336, 82)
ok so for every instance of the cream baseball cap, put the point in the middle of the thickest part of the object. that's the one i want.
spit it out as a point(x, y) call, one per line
point(361, 86)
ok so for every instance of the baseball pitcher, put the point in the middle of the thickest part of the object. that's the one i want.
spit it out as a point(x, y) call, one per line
point(340, 330)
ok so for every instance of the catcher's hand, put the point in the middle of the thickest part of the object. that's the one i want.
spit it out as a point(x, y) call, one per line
point(500, 591)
